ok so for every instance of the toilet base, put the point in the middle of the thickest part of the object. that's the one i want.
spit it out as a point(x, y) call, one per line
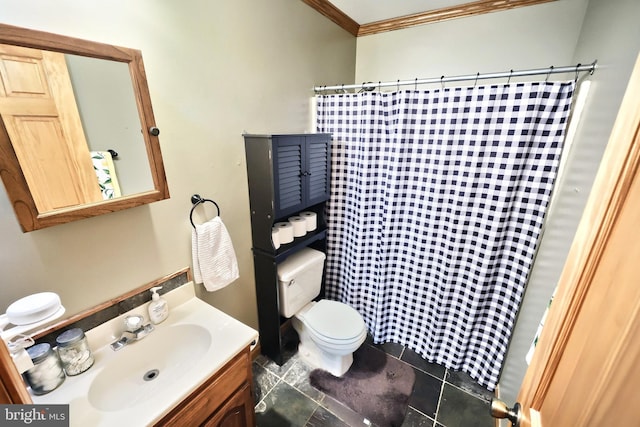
point(316, 358)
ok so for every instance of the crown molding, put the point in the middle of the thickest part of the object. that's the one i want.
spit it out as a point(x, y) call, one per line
point(327, 9)
point(480, 7)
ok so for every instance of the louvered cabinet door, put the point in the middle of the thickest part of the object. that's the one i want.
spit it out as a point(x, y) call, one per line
point(317, 169)
point(301, 172)
point(288, 170)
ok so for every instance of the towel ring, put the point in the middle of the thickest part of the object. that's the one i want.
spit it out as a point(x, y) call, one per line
point(196, 199)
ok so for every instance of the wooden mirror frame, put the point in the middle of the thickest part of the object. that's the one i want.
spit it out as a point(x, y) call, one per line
point(10, 171)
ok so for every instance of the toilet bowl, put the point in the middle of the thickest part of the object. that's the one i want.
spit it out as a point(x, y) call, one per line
point(329, 331)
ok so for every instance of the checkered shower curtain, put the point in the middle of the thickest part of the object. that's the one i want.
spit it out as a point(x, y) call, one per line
point(437, 202)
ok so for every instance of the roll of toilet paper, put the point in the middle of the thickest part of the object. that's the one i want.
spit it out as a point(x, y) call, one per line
point(311, 219)
point(285, 232)
point(275, 237)
point(299, 226)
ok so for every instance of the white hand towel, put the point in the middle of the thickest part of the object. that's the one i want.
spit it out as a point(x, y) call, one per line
point(214, 260)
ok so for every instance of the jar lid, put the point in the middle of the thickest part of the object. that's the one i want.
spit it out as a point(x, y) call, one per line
point(69, 337)
point(39, 352)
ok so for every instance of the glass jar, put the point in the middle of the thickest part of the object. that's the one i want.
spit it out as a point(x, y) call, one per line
point(46, 374)
point(74, 351)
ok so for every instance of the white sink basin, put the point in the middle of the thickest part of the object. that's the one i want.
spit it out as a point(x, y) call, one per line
point(145, 367)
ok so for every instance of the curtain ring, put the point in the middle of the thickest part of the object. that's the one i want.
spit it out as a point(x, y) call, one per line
point(442, 82)
point(577, 73)
point(379, 86)
point(415, 85)
point(476, 82)
point(398, 85)
point(548, 74)
point(509, 79)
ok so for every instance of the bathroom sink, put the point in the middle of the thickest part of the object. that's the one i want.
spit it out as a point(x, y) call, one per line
point(146, 367)
point(143, 381)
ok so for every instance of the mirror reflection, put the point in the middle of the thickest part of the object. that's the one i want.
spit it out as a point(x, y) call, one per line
point(109, 116)
point(74, 129)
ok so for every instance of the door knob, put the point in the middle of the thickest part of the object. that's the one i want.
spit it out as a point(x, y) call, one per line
point(500, 410)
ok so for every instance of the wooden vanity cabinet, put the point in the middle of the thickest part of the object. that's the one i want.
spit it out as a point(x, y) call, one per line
point(224, 400)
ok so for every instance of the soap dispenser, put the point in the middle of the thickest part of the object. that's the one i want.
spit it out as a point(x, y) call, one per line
point(158, 307)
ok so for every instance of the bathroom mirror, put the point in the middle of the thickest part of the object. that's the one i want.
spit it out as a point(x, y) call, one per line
point(77, 133)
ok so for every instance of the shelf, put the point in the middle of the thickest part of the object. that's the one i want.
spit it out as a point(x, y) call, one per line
point(298, 243)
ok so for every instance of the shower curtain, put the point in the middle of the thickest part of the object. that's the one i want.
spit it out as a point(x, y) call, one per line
point(437, 202)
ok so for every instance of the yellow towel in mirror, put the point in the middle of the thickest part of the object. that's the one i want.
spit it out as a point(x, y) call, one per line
point(106, 173)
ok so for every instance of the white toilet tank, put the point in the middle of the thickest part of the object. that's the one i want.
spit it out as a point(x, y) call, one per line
point(299, 280)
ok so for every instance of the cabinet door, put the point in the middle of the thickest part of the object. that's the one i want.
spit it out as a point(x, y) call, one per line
point(214, 395)
point(301, 172)
point(237, 412)
point(288, 166)
point(317, 168)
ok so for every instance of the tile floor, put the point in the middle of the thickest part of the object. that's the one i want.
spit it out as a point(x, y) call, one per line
point(441, 398)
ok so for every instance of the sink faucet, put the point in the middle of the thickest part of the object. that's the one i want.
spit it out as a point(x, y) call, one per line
point(134, 330)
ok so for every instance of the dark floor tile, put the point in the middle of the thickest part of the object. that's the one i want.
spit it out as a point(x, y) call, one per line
point(271, 418)
point(391, 349)
point(284, 406)
point(416, 419)
point(323, 418)
point(289, 351)
point(280, 370)
point(263, 381)
point(298, 377)
point(426, 392)
point(417, 361)
point(460, 409)
point(466, 383)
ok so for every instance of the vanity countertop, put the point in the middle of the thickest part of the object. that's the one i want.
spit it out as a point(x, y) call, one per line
point(147, 402)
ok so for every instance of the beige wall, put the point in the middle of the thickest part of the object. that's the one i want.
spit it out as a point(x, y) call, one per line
point(523, 38)
point(215, 70)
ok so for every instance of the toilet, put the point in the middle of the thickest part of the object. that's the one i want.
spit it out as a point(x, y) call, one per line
point(329, 331)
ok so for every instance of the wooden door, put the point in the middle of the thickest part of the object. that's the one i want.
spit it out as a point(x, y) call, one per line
point(587, 363)
point(38, 108)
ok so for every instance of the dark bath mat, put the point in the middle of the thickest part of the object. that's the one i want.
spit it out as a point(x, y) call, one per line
point(377, 386)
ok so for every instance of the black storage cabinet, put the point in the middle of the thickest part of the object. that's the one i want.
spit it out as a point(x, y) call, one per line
point(287, 174)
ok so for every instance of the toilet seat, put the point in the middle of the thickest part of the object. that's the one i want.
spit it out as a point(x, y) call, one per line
point(334, 324)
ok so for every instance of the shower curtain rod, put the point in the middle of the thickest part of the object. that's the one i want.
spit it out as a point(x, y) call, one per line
point(369, 86)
